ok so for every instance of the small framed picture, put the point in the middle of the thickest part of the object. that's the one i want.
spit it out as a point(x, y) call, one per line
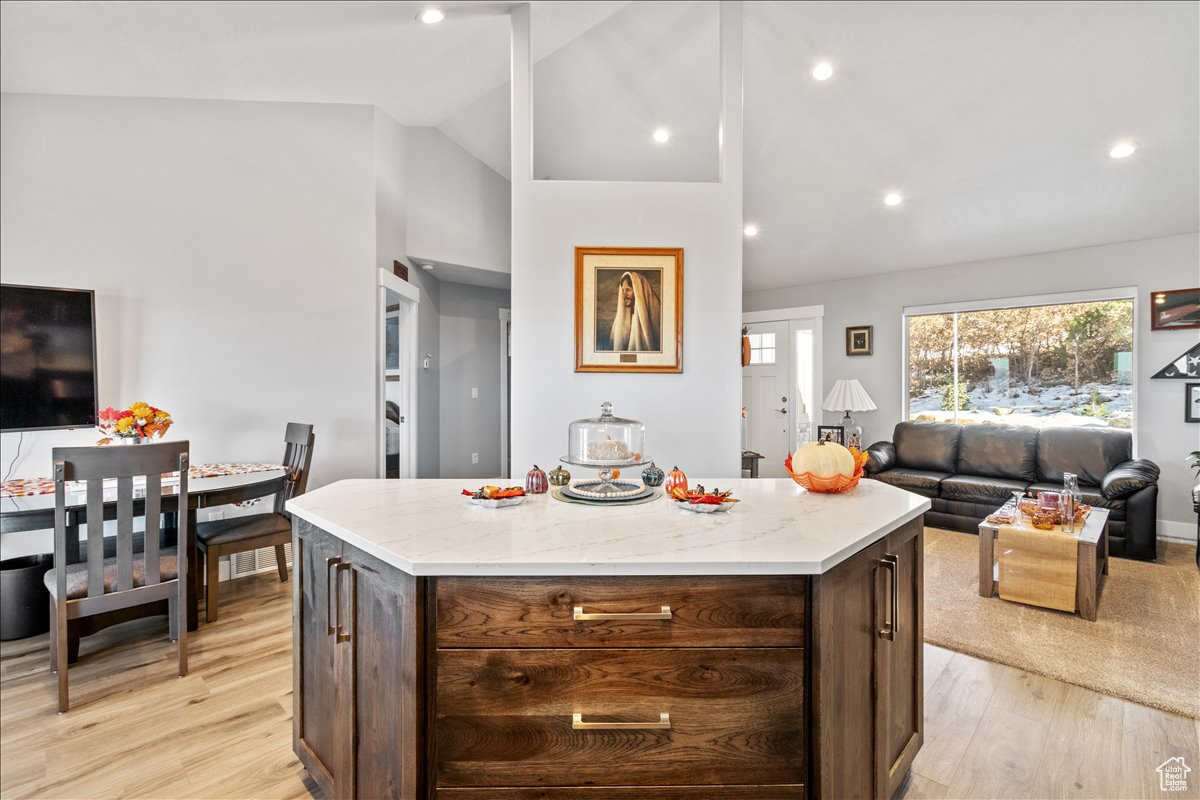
point(858, 340)
point(1191, 412)
point(831, 433)
point(1175, 309)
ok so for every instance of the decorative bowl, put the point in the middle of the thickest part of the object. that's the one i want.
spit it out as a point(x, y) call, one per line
point(502, 502)
point(704, 508)
point(827, 485)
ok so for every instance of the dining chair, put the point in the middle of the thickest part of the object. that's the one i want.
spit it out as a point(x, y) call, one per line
point(98, 585)
point(223, 537)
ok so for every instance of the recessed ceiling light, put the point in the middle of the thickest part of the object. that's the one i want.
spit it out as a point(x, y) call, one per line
point(427, 267)
point(431, 16)
point(893, 199)
point(750, 230)
point(662, 136)
point(1122, 150)
point(823, 71)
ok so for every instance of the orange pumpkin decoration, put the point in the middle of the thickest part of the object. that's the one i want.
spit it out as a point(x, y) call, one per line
point(676, 478)
point(832, 470)
point(616, 473)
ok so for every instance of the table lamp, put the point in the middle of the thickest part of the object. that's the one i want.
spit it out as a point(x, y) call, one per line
point(847, 396)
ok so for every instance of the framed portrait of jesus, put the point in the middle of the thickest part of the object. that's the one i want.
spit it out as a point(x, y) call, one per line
point(629, 309)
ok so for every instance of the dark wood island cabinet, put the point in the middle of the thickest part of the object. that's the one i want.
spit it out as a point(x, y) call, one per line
point(605, 686)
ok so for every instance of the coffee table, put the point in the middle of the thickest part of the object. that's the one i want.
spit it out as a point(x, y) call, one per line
point(1091, 567)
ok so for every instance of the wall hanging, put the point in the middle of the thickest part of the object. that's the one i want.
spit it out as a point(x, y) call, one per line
point(628, 309)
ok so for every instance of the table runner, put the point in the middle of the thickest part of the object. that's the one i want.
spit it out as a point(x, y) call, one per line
point(1037, 567)
point(28, 487)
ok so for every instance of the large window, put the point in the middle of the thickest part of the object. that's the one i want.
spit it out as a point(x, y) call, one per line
point(1062, 364)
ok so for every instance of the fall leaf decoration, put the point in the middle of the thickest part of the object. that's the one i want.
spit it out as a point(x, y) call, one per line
point(139, 421)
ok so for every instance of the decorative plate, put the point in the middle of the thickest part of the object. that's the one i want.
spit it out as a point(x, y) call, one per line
point(704, 508)
point(502, 502)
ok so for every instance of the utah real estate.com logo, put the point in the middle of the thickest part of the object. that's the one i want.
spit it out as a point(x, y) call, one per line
point(1172, 775)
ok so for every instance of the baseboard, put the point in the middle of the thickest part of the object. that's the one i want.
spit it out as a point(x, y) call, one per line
point(1177, 531)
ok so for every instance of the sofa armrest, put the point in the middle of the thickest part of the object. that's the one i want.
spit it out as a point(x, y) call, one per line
point(1128, 477)
point(881, 457)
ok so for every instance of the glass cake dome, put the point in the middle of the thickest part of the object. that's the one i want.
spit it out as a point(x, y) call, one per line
point(606, 441)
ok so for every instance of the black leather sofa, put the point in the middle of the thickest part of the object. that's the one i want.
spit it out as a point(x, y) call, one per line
point(968, 471)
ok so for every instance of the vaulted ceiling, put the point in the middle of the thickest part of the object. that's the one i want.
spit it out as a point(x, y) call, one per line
point(992, 119)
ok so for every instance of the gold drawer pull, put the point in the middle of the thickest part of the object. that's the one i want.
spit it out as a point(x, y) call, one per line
point(663, 724)
point(665, 613)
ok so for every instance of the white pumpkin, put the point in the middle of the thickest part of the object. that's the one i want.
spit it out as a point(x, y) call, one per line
point(823, 459)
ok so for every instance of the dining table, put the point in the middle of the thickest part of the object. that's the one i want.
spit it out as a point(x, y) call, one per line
point(27, 504)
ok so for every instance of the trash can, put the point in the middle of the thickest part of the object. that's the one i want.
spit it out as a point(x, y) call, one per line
point(24, 601)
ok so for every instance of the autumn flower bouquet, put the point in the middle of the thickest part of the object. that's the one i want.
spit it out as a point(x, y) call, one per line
point(138, 422)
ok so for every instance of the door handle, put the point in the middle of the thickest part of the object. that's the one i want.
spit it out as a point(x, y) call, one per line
point(333, 609)
point(664, 612)
point(891, 623)
point(781, 410)
point(344, 636)
point(663, 724)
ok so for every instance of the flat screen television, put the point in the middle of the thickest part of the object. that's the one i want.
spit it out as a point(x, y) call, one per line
point(47, 358)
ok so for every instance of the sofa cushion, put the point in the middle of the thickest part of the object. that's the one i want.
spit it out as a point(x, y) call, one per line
point(998, 451)
point(978, 489)
point(1089, 494)
point(914, 480)
point(1091, 453)
point(931, 446)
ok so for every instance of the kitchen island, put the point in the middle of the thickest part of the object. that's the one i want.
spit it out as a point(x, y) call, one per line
point(560, 651)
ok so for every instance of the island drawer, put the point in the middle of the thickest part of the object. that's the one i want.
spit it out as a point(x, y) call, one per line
point(717, 611)
point(685, 717)
point(792, 792)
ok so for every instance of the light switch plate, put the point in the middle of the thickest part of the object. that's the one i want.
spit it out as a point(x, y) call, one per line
point(474, 458)
point(474, 392)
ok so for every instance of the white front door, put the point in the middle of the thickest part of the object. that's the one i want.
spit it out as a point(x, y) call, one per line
point(767, 396)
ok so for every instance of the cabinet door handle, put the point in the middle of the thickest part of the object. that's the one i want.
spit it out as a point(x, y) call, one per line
point(333, 609)
point(344, 635)
point(580, 616)
point(891, 623)
point(663, 724)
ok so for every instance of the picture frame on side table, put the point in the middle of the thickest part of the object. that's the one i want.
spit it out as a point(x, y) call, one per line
point(1191, 409)
point(831, 433)
point(859, 340)
point(629, 309)
point(1177, 309)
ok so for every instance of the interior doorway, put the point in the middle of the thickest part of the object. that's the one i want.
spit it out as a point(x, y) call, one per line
point(781, 386)
point(396, 378)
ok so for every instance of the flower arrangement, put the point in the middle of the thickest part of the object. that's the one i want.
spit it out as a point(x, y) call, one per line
point(139, 421)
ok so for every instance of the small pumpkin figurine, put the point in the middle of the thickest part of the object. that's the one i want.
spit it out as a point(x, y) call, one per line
point(559, 477)
point(536, 482)
point(676, 479)
point(653, 475)
point(616, 473)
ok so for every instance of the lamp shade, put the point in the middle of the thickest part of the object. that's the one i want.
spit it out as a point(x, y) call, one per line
point(848, 395)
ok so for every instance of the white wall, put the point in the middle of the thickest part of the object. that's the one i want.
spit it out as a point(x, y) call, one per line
point(692, 418)
point(459, 210)
point(231, 246)
point(1151, 265)
point(470, 347)
point(391, 244)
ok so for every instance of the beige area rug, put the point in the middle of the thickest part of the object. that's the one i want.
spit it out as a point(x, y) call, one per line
point(1144, 645)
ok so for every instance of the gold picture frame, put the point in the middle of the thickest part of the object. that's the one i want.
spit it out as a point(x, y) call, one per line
point(629, 309)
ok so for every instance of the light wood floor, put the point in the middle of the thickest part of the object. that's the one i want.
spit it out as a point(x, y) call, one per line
point(136, 730)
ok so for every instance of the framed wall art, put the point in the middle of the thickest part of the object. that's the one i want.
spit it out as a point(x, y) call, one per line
point(858, 340)
point(1178, 309)
point(1191, 411)
point(629, 309)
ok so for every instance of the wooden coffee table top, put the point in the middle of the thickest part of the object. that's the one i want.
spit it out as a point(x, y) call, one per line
point(1093, 526)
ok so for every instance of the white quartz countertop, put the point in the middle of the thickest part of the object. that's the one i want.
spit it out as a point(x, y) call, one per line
point(426, 527)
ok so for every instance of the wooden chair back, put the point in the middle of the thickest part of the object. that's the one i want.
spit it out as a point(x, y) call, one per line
point(297, 457)
point(93, 465)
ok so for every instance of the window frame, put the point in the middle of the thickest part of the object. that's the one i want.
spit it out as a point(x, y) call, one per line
point(1049, 299)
